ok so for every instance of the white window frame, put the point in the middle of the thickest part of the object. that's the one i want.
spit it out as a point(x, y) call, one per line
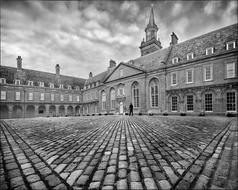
point(230, 42)
point(61, 86)
point(77, 97)
point(30, 96)
point(42, 96)
point(192, 55)
point(52, 85)
point(233, 70)
point(3, 95)
point(172, 103)
point(189, 82)
point(61, 97)
point(204, 73)
point(42, 84)
point(17, 82)
point(30, 83)
point(172, 74)
point(18, 96)
point(187, 103)
point(70, 98)
point(2, 81)
point(205, 105)
point(69, 87)
point(210, 48)
point(52, 97)
point(175, 60)
point(77, 88)
point(234, 103)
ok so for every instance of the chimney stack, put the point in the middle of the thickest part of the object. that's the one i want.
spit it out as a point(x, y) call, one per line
point(90, 75)
point(174, 39)
point(57, 69)
point(19, 63)
point(112, 63)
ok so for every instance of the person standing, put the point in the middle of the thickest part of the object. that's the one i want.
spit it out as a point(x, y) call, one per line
point(131, 109)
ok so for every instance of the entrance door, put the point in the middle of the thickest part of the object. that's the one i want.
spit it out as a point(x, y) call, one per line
point(121, 107)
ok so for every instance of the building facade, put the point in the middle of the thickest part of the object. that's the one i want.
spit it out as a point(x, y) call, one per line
point(194, 76)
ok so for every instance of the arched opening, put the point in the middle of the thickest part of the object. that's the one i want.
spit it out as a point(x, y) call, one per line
point(41, 110)
point(70, 110)
point(30, 111)
point(135, 95)
point(77, 110)
point(4, 112)
point(154, 93)
point(17, 112)
point(103, 100)
point(61, 111)
point(52, 110)
point(113, 98)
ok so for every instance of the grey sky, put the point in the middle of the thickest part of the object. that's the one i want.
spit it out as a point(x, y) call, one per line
point(83, 36)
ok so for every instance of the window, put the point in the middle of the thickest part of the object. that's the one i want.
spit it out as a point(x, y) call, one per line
point(52, 85)
point(30, 96)
point(61, 98)
point(61, 86)
point(2, 80)
point(77, 88)
point(41, 84)
point(230, 45)
point(174, 103)
point(189, 76)
point(18, 95)
point(121, 72)
point(173, 79)
point(231, 101)
point(70, 98)
point(42, 96)
point(175, 60)
point(190, 56)
point(190, 103)
point(103, 100)
point(69, 87)
point(77, 98)
point(3, 95)
point(17, 82)
point(135, 95)
point(52, 97)
point(209, 51)
point(30, 83)
point(208, 72)
point(154, 94)
point(208, 102)
point(230, 70)
point(121, 90)
point(113, 98)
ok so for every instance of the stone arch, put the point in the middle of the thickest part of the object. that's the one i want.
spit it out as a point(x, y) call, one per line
point(112, 98)
point(70, 110)
point(77, 110)
point(17, 111)
point(41, 110)
point(135, 94)
point(52, 110)
point(4, 112)
point(61, 110)
point(30, 111)
point(170, 100)
point(154, 92)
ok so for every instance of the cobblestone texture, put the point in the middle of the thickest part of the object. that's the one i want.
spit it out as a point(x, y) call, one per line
point(119, 152)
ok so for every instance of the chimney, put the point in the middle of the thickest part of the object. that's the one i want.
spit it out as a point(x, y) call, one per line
point(112, 63)
point(57, 69)
point(90, 75)
point(19, 63)
point(174, 39)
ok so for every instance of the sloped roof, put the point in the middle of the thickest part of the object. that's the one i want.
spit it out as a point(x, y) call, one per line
point(10, 74)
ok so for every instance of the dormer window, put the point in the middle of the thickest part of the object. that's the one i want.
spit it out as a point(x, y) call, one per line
point(61, 86)
point(230, 45)
point(190, 56)
point(2, 81)
point(41, 84)
point(69, 87)
point(17, 82)
point(77, 88)
point(52, 85)
point(175, 60)
point(209, 50)
point(30, 83)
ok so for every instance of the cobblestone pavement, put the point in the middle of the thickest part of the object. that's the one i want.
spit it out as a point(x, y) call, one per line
point(119, 152)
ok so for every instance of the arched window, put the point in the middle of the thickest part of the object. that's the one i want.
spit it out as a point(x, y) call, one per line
point(135, 95)
point(103, 100)
point(113, 98)
point(154, 93)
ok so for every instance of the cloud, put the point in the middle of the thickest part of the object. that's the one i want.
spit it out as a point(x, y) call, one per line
point(177, 8)
point(211, 7)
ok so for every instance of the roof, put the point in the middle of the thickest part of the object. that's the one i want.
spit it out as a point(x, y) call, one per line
point(99, 77)
point(11, 73)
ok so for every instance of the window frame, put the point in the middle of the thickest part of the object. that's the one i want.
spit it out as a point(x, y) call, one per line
point(42, 96)
point(187, 104)
point(29, 83)
point(136, 95)
point(209, 103)
point(61, 86)
point(70, 98)
point(192, 73)
point(121, 72)
point(154, 93)
point(77, 98)
point(52, 99)
point(173, 60)
point(69, 87)
point(233, 104)
point(41, 84)
point(210, 48)
point(113, 98)
point(18, 96)
point(172, 105)
point(30, 96)
point(234, 70)
point(205, 70)
point(52, 85)
point(104, 100)
point(172, 74)
point(17, 82)
point(61, 97)
point(3, 92)
point(192, 55)
point(230, 42)
point(2, 80)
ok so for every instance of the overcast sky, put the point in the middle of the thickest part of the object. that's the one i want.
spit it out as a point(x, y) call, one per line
point(83, 36)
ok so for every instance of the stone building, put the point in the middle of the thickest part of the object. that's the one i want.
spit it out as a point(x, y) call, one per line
point(197, 75)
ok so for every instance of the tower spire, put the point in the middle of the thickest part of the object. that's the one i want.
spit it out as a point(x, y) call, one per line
point(152, 18)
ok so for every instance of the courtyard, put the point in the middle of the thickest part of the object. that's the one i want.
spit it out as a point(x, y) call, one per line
point(119, 152)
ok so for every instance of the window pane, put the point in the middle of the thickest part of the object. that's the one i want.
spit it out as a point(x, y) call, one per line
point(208, 102)
point(231, 102)
point(230, 70)
point(18, 95)
point(190, 102)
point(174, 103)
point(3, 95)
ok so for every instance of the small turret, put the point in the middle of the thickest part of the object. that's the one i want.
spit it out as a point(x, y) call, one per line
point(19, 63)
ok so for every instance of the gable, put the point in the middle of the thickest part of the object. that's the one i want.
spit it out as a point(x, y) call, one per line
point(126, 70)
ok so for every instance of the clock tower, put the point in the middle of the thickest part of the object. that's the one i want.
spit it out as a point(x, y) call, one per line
point(152, 43)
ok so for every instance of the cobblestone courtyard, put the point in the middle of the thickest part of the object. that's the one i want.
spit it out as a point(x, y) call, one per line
point(119, 152)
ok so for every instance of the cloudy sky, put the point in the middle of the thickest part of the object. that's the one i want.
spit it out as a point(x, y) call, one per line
point(82, 36)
